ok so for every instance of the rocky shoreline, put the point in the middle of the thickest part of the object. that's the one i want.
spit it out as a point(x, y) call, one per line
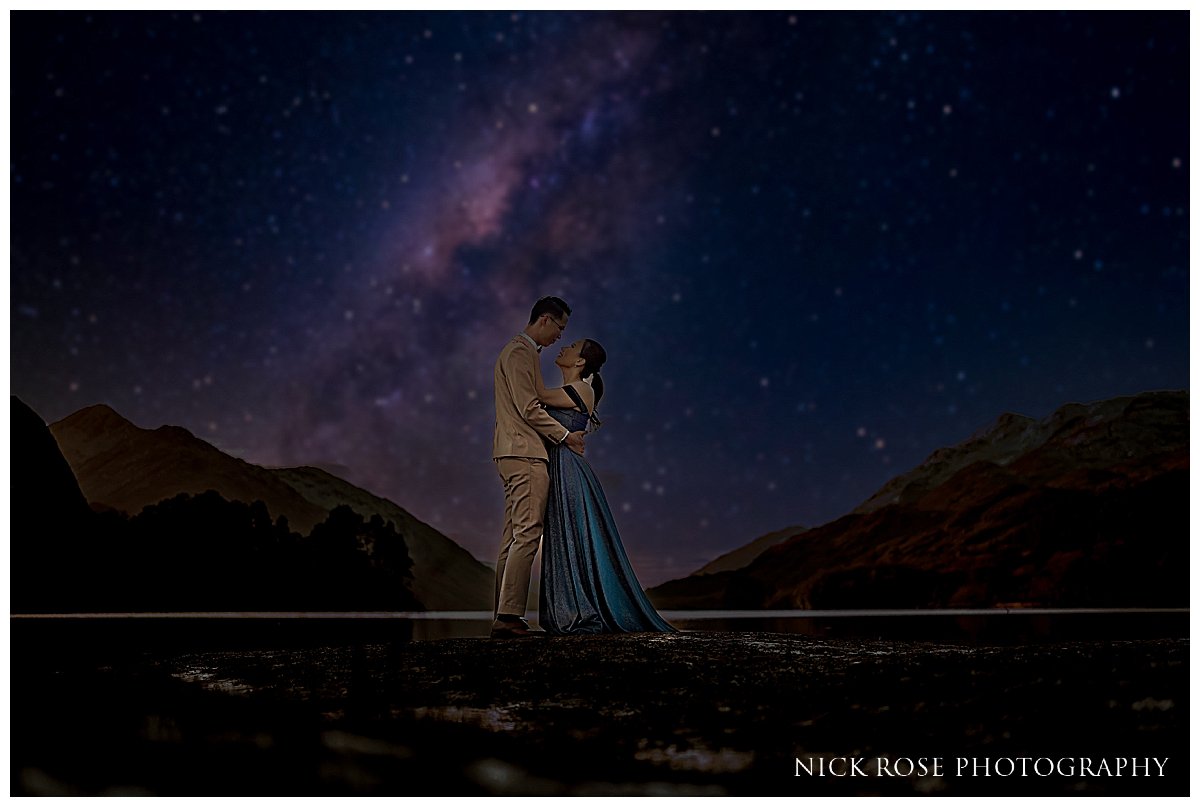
point(688, 713)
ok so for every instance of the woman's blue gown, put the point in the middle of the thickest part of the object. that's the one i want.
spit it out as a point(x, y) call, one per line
point(587, 584)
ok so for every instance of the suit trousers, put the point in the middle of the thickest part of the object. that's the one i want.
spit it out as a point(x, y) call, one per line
point(526, 489)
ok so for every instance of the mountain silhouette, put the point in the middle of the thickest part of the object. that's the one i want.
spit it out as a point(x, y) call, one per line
point(446, 577)
point(49, 515)
point(745, 555)
point(186, 553)
point(126, 468)
point(1087, 507)
point(41, 482)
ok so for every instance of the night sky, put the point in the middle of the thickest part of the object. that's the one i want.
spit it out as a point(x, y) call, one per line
point(816, 247)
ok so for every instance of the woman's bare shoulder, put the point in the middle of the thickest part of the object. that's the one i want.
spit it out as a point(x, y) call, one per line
point(586, 392)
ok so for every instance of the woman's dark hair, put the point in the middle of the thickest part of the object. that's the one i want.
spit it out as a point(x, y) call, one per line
point(593, 356)
point(554, 306)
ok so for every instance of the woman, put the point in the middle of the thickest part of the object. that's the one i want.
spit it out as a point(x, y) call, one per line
point(588, 585)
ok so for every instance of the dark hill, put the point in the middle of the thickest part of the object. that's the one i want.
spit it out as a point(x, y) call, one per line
point(1087, 507)
point(126, 468)
point(42, 486)
point(745, 555)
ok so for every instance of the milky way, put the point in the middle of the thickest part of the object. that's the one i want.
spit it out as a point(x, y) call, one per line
point(816, 247)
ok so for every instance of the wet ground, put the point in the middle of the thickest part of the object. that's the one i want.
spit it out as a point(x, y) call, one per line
point(688, 713)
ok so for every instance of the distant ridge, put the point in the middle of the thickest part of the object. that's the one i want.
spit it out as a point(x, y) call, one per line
point(1013, 437)
point(124, 467)
point(1087, 507)
point(445, 576)
point(745, 555)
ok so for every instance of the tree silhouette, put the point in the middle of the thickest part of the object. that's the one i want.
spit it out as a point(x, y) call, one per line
point(205, 553)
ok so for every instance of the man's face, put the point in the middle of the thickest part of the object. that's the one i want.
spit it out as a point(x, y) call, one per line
point(552, 329)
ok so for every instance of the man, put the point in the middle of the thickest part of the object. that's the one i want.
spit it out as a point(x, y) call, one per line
point(519, 451)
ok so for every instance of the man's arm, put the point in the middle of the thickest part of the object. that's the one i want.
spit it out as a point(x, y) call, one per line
point(522, 385)
point(555, 396)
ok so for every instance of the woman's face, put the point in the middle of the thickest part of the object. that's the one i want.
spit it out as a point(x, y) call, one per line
point(569, 355)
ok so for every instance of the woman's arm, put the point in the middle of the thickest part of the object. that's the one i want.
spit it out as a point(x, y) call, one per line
point(551, 397)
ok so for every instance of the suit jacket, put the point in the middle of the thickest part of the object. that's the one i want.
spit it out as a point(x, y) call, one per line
point(521, 422)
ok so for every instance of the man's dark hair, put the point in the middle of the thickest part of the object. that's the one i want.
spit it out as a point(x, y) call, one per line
point(554, 306)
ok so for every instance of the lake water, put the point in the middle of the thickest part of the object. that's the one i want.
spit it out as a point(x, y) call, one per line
point(153, 632)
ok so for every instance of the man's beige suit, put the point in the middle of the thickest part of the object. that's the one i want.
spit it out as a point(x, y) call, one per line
point(519, 450)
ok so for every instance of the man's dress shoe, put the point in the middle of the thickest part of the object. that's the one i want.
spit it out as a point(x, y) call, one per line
point(519, 629)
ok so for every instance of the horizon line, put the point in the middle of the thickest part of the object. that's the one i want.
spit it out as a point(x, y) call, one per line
point(667, 614)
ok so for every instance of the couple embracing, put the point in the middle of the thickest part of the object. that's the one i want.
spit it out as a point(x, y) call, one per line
point(552, 495)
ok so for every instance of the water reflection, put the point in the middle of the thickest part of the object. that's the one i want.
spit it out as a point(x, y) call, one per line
point(262, 629)
point(963, 625)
